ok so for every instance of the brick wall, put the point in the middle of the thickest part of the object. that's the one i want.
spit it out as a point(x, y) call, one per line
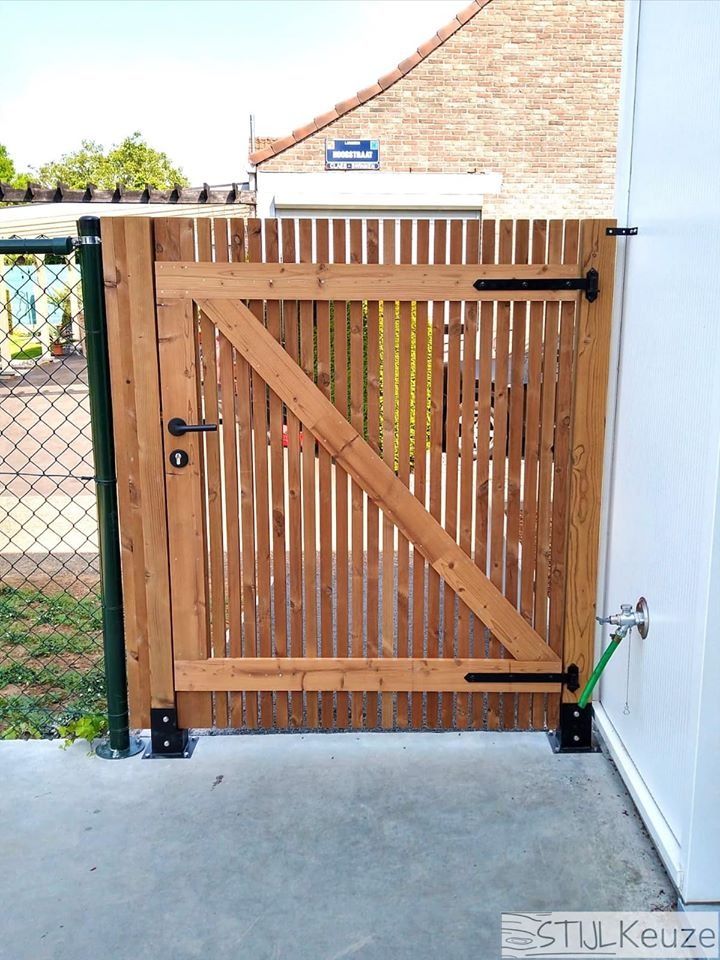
point(527, 88)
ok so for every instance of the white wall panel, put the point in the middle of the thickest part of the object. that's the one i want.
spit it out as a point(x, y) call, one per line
point(661, 499)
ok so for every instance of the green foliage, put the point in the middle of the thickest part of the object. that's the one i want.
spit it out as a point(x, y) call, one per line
point(90, 727)
point(8, 174)
point(51, 673)
point(7, 167)
point(132, 162)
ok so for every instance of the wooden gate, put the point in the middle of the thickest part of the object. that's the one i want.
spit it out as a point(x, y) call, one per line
point(387, 514)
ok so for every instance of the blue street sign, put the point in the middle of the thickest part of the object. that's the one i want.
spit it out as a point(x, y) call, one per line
point(352, 154)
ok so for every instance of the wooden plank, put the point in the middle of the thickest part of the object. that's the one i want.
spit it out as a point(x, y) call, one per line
point(467, 454)
point(325, 486)
point(377, 479)
point(437, 415)
point(222, 642)
point(247, 515)
point(499, 461)
point(388, 540)
point(373, 437)
point(516, 429)
point(354, 673)
point(452, 449)
point(176, 331)
point(546, 447)
point(422, 384)
point(342, 535)
point(561, 478)
point(357, 389)
point(339, 281)
point(588, 434)
point(532, 455)
point(262, 495)
point(277, 485)
point(122, 378)
point(404, 365)
point(296, 459)
point(484, 456)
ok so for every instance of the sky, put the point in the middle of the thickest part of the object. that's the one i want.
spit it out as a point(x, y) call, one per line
point(187, 73)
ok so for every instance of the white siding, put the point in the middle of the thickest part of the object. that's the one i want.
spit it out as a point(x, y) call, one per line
point(662, 535)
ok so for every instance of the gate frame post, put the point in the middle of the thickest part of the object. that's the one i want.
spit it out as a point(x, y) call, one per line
point(119, 743)
point(592, 360)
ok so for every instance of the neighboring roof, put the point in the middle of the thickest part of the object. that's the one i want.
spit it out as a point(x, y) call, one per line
point(362, 96)
point(223, 193)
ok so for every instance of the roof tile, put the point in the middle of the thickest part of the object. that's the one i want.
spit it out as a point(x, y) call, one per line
point(369, 92)
point(325, 118)
point(390, 78)
point(305, 131)
point(449, 29)
point(425, 49)
point(345, 106)
point(468, 12)
point(406, 65)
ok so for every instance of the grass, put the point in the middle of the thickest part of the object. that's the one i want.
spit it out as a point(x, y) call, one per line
point(51, 672)
point(23, 347)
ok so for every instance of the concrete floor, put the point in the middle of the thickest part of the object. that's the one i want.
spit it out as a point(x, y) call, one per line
point(317, 847)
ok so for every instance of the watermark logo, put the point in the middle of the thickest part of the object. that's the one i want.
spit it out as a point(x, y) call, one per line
point(644, 936)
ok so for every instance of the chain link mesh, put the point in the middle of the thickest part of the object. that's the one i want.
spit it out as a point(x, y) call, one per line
point(50, 616)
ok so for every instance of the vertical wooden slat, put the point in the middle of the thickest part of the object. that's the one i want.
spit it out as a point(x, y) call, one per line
point(511, 702)
point(561, 477)
point(125, 386)
point(342, 551)
point(532, 458)
point(405, 346)
point(277, 487)
point(467, 453)
point(262, 496)
point(437, 416)
point(588, 430)
point(452, 449)
point(309, 493)
point(482, 482)
point(500, 436)
point(388, 397)
point(373, 437)
point(325, 484)
point(545, 469)
point(357, 383)
point(214, 475)
point(422, 384)
point(294, 489)
point(174, 240)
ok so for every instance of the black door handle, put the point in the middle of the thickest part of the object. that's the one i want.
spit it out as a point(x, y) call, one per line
point(177, 427)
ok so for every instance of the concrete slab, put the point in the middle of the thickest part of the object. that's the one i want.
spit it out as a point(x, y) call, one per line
point(315, 847)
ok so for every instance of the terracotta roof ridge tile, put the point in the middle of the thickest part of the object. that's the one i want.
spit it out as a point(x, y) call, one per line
point(362, 96)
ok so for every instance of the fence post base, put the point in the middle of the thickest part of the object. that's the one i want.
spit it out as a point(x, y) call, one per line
point(574, 732)
point(108, 752)
point(166, 739)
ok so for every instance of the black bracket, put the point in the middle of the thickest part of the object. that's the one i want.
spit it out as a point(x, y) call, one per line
point(590, 284)
point(621, 231)
point(166, 739)
point(571, 677)
point(574, 732)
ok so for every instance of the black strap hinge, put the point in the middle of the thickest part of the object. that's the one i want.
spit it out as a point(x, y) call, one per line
point(621, 231)
point(589, 284)
point(571, 677)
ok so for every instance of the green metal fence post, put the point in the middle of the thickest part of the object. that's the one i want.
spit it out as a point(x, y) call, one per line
point(119, 743)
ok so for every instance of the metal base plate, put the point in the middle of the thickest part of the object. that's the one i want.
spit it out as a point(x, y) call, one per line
point(643, 617)
point(105, 751)
point(185, 755)
point(575, 733)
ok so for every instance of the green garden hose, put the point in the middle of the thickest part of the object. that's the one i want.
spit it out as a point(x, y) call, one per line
point(615, 641)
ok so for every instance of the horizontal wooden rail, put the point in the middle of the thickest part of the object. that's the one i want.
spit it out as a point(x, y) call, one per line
point(357, 674)
point(355, 281)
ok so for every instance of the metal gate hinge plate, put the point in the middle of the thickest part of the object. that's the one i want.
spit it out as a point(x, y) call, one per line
point(571, 677)
point(621, 231)
point(589, 284)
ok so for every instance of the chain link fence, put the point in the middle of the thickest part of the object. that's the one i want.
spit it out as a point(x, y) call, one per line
point(51, 670)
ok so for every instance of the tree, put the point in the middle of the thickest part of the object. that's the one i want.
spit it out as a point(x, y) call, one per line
point(7, 167)
point(133, 163)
